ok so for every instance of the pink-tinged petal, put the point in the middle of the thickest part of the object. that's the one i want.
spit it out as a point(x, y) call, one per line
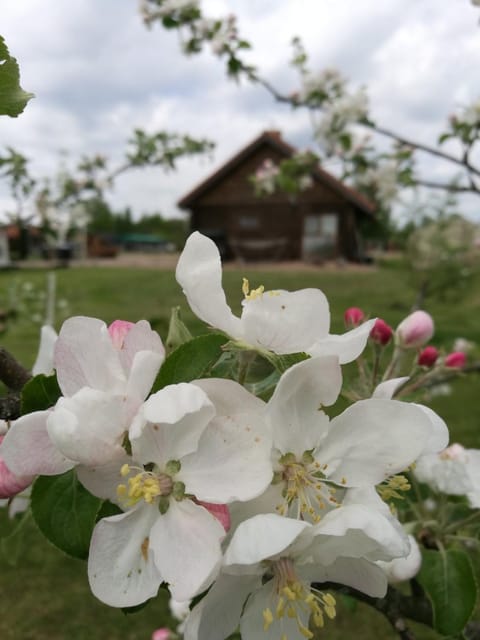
point(217, 615)
point(11, 484)
point(164, 633)
point(199, 273)
point(347, 346)
point(118, 330)
point(121, 567)
point(286, 321)
point(229, 397)
point(294, 409)
point(140, 337)
point(219, 511)
point(186, 545)
point(261, 537)
point(372, 440)
point(415, 330)
point(88, 427)
point(28, 451)
point(357, 531)
point(232, 461)
point(389, 388)
point(357, 573)
point(85, 357)
point(251, 623)
point(170, 423)
point(44, 362)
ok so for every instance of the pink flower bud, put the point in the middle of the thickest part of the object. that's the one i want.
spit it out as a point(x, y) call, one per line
point(415, 330)
point(455, 360)
point(10, 484)
point(118, 330)
point(427, 357)
point(381, 333)
point(163, 633)
point(219, 511)
point(353, 316)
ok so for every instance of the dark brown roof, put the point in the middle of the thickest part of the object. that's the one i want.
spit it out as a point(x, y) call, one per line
point(274, 140)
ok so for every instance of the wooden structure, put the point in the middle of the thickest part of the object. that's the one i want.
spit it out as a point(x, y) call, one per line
point(320, 223)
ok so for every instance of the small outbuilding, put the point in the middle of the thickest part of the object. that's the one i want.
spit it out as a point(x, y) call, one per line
point(322, 222)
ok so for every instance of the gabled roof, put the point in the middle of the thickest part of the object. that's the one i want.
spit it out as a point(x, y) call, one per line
point(276, 142)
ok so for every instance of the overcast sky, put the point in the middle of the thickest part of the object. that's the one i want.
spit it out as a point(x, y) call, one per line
point(98, 73)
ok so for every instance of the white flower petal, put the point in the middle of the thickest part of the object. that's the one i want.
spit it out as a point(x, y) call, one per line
point(44, 362)
point(217, 615)
point(186, 544)
point(232, 461)
point(388, 388)
point(27, 449)
point(372, 440)
point(352, 572)
point(199, 273)
point(169, 424)
point(88, 427)
point(85, 357)
point(439, 435)
point(121, 567)
point(263, 536)
point(102, 481)
point(145, 366)
point(286, 321)
point(229, 397)
point(297, 423)
point(400, 569)
point(357, 531)
point(347, 347)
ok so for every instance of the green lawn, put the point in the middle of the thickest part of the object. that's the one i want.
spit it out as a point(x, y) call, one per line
point(44, 594)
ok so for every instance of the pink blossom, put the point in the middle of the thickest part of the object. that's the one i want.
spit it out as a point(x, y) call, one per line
point(353, 317)
point(427, 357)
point(10, 484)
point(118, 330)
point(381, 333)
point(415, 330)
point(163, 633)
point(455, 360)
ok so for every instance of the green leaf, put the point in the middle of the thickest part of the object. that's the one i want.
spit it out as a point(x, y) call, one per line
point(449, 582)
point(178, 333)
point(13, 98)
point(191, 360)
point(40, 393)
point(65, 512)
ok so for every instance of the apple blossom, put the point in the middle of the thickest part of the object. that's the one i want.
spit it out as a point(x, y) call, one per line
point(353, 317)
point(415, 330)
point(11, 484)
point(271, 563)
point(427, 357)
point(455, 360)
point(400, 569)
point(44, 361)
point(103, 381)
point(279, 321)
point(186, 449)
point(381, 332)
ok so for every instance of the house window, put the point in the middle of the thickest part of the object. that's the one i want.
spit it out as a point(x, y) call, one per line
point(320, 236)
point(248, 222)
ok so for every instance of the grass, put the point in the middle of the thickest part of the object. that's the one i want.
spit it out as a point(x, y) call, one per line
point(45, 595)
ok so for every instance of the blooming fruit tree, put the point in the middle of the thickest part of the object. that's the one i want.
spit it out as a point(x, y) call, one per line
point(224, 471)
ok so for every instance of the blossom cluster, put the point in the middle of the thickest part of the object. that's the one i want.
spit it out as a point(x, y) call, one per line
point(261, 502)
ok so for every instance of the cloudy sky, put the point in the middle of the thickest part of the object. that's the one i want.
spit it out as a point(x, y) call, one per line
point(98, 73)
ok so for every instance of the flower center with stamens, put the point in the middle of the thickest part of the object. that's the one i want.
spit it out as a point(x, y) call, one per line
point(297, 600)
point(305, 486)
point(149, 485)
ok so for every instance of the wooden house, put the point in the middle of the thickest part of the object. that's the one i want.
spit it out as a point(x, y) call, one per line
point(322, 222)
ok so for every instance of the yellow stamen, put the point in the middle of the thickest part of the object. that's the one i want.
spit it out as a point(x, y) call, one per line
point(267, 619)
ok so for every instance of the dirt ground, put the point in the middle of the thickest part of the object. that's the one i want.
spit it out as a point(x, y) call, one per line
point(168, 261)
